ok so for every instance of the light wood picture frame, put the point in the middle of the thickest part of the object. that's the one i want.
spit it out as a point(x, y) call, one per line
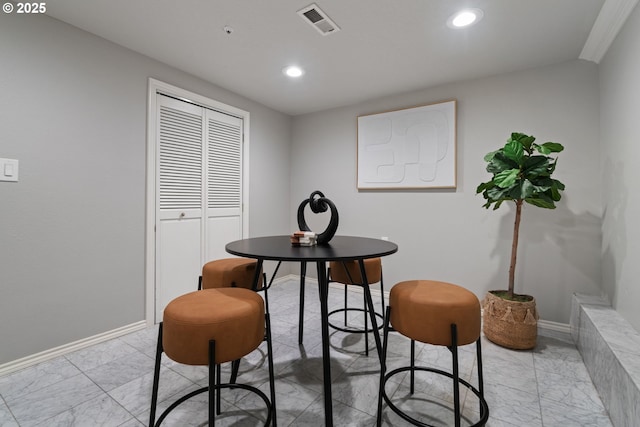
point(411, 148)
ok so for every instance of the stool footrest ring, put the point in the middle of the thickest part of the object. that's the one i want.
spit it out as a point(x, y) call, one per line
point(483, 403)
point(218, 387)
point(353, 330)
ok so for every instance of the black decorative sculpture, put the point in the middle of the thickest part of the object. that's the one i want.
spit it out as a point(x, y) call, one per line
point(318, 205)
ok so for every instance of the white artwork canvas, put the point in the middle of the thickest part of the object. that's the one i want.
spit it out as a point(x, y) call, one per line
point(409, 148)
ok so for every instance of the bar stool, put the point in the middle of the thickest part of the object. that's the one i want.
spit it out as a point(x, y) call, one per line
point(348, 273)
point(211, 327)
point(233, 273)
point(436, 313)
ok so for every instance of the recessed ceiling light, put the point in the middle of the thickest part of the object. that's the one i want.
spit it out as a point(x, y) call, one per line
point(465, 18)
point(293, 71)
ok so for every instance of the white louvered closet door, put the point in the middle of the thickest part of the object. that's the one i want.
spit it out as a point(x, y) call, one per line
point(224, 183)
point(199, 193)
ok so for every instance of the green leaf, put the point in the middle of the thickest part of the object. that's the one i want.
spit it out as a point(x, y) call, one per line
point(489, 156)
point(500, 162)
point(526, 142)
point(515, 192)
point(542, 201)
point(496, 193)
point(541, 185)
point(535, 166)
point(549, 147)
point(485, 186)
point(556, 187)
point(526, 189)
point(506, 179)
point(513, 150)
point(523, 139)
point(516, 136)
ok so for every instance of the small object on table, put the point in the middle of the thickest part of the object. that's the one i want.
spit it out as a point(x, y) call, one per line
point(304, 238)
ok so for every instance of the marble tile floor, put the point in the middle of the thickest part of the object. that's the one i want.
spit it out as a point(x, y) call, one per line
point(109, 384)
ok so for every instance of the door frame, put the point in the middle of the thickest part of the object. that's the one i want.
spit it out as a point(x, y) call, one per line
point(155, 87)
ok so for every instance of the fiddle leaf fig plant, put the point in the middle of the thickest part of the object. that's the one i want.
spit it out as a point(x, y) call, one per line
point(521, 172)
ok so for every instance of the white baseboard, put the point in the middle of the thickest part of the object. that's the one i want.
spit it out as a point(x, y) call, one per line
point(43, 356)
point(557, 330)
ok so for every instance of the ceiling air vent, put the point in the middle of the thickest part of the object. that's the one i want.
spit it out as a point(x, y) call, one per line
point(318, 20)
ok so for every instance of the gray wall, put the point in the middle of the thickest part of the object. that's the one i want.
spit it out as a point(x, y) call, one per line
point(447, 235)
point(72, 230)
point(620, 115)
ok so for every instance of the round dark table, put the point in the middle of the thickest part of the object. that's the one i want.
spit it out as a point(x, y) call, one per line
point(340, 248)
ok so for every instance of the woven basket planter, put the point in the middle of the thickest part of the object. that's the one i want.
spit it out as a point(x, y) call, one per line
point(510, 324)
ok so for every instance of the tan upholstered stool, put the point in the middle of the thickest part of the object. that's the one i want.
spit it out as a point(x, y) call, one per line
point(210, 327)
point(436, 313)
point(230, 273)
point(348, 273)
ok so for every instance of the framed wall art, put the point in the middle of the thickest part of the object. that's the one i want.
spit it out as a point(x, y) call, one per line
point(410, 148)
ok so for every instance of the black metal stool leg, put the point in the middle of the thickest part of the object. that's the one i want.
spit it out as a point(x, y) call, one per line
point(480, 375)
point(214, 402)
point(235, 367)
point(383, 366)
point(272, 387)
point(219, 399)
point(456, 375)
point(156, 378)
point(412, 376)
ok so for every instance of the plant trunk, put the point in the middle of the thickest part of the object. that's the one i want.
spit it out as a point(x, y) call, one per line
point(514, 248)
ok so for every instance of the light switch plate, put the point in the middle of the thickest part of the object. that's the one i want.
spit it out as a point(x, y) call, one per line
point(8, 170)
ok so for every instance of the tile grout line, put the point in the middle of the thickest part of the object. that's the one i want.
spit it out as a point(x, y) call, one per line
point(535, 373)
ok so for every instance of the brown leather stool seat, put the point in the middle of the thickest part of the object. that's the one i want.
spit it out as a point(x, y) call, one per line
point(436, 313)
point(230, 273)
point(210, 327)
point(234, 318)
point(348, 272)
point(429, 308)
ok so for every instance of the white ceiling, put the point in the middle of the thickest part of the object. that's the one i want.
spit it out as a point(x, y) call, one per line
point(384, 46)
